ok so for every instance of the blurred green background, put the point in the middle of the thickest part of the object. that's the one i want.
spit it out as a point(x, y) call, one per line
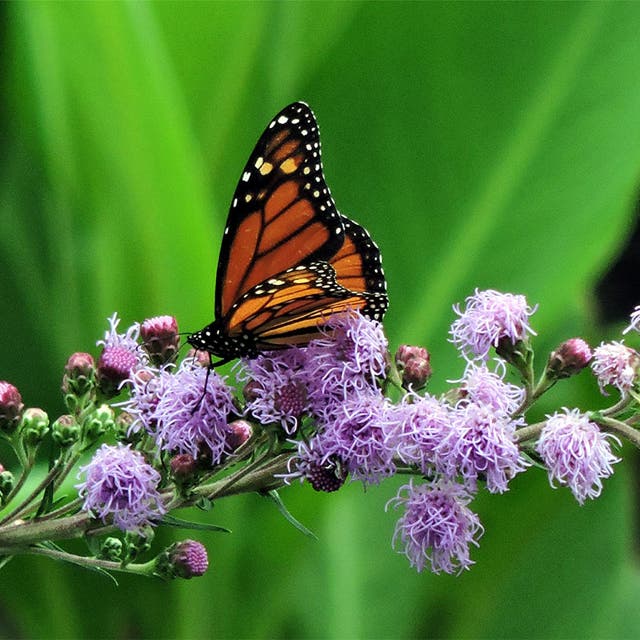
point(483, 145)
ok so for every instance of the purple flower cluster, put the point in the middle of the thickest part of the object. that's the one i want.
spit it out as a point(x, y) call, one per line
point(615, 364)
point(276, 388)
point(327, 398)
point(339, 373)
point(488, 318)
point(576, 453)
point(437, 526)
point(180, 412)
point(118, 482)
point(121, 356)
point(192, 414)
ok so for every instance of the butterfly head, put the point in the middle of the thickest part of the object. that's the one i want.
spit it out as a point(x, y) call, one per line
point(214, 339)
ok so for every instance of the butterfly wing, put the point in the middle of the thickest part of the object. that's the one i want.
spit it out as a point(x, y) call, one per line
point(289, 260)
point(292, 307)
point(358, 267)
point(282, 213)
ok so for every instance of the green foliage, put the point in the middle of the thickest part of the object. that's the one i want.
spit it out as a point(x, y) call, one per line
point(483, 145)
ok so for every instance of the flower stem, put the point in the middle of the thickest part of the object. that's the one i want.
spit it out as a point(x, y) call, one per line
point(20, 534)
point(145, 569)
point(26, 470)
point(618, 427)
point(22, 508)
point(529, 432)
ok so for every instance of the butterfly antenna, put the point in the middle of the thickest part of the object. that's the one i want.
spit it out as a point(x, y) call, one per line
point(212, 365)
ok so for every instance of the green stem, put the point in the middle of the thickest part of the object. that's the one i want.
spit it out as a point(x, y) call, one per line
point(529, 432)
point(19, 535)
point(144, 569)
point(619, 428)
point(259, 480)
point(21, 480)
point(26, 533)
point(62, 511)
point(22, 508)
point(619, 406)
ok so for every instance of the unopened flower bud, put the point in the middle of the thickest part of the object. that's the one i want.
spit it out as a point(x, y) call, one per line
point(186, 559)
point(203, 358)
point(414, 365)
point(11, 407)
point(98, 422)
point(571, 357)
point(239, 432)
point(111, 549)
point(65, 431)
point(183, 466)
point(327, 477)
point(79, 374)
point(114, 367)
point(251, 390)
point(6, 484)
point(123, 423)
point(160, 338)
point(139, 542)
point(34, 426)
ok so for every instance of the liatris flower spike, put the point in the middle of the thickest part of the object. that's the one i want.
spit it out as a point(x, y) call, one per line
point(145, 435)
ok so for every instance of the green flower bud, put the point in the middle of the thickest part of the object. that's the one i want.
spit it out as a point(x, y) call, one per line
point(139, 543)
point(99, 422)
point(65, 431)
point(111, 549)
point(6, 482)
point(34, 426)
point(124, 420)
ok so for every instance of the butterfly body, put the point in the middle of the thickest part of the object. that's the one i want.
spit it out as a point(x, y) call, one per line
point(289, 259)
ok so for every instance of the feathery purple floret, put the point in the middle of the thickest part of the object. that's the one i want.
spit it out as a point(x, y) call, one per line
point(119, 482)
point(191, 418)
point(577, 454)
point(489, 317)
point(482, 386)
point(422, 424)
point(278, 383)
point(437, 526)
point(615, 364)
point(357, 433)
point(481, 444)
point(346, 362)
point(147, 386)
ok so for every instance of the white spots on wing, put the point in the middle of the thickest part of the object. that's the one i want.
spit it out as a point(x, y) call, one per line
point(283, 120)
point(245, 176)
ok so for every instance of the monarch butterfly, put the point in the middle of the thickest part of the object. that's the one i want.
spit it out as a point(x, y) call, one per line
point(289, 259)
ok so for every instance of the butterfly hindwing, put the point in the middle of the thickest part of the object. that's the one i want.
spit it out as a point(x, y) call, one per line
point(282, 213)
point(290, 307)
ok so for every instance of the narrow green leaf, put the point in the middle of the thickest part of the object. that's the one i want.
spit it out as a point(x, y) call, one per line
point(275, 497)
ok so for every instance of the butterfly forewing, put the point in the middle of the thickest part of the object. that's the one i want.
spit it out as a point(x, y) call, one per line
point(282, 213)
